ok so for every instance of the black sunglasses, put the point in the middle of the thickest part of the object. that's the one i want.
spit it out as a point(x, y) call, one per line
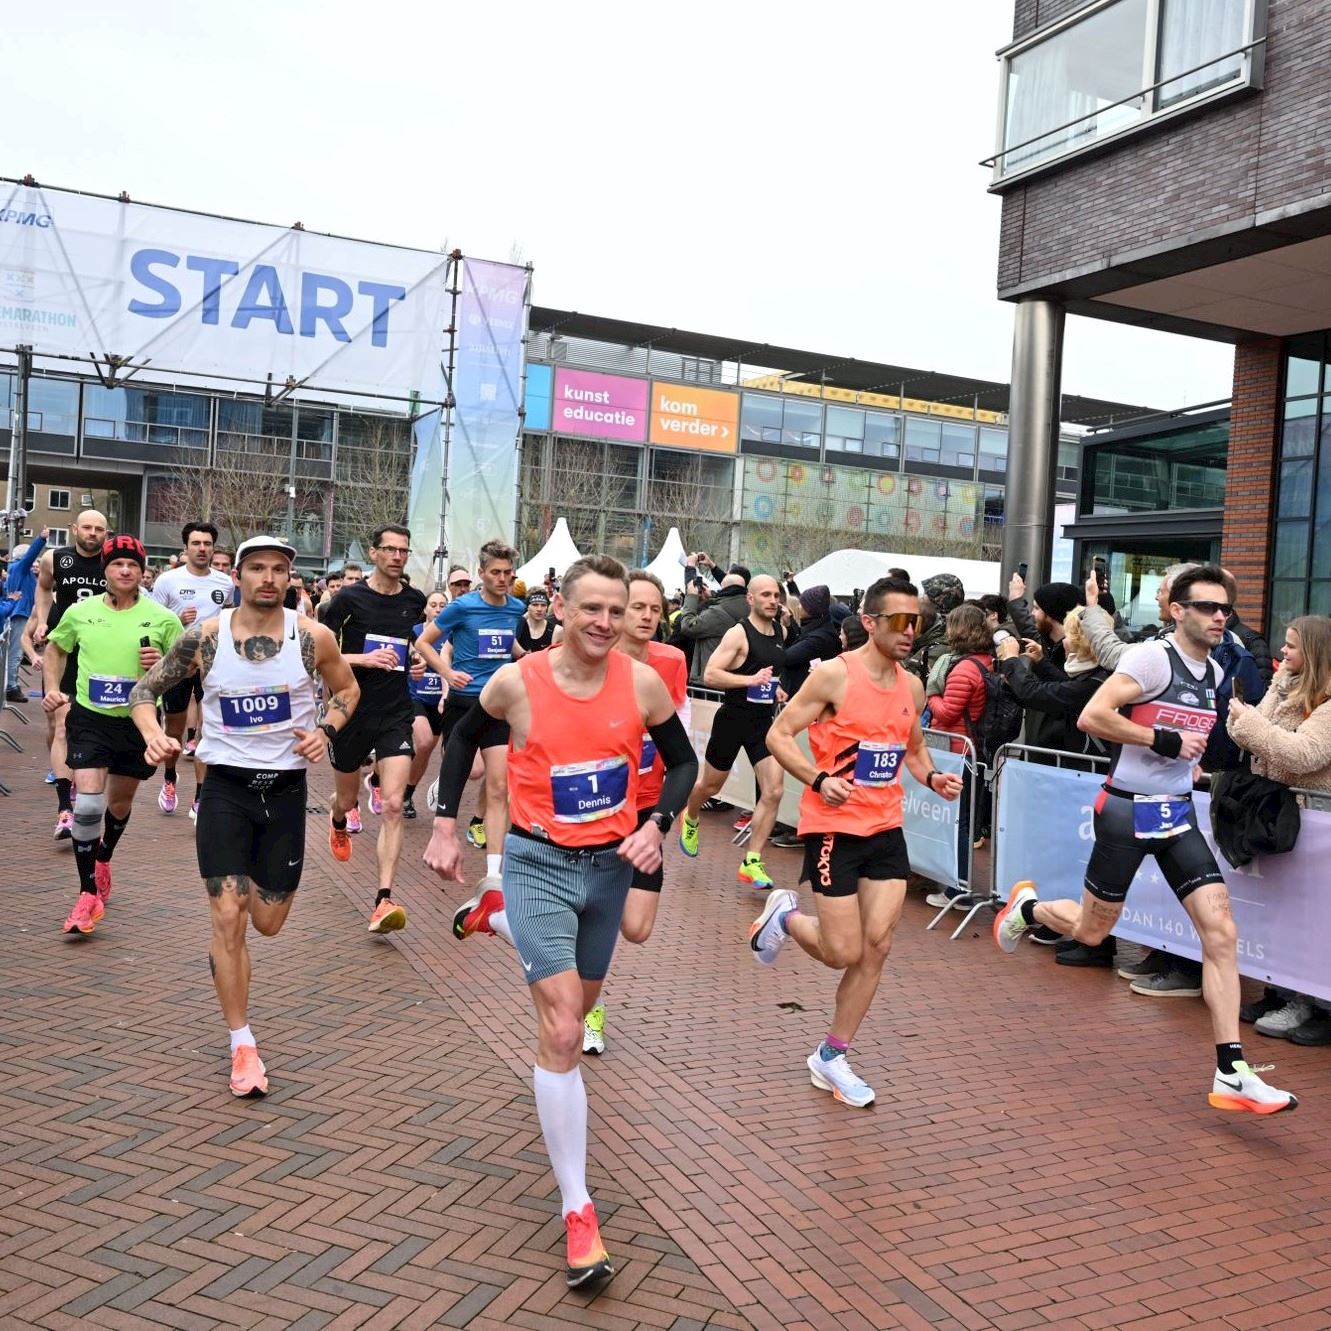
point(1210, 607)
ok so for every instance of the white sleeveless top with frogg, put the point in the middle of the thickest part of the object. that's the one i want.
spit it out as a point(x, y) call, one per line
point(252, 708)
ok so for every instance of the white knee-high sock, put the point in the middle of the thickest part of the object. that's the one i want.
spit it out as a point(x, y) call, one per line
point(499, 923)
point(561, 1104)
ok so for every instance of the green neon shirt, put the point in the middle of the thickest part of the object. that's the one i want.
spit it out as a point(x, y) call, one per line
point(108, 645)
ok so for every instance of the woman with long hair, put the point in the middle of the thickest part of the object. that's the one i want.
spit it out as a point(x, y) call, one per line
point(1288, 735)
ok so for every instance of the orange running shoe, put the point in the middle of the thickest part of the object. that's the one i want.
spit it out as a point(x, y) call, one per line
point(103, 879)
point(386, 917)
point(88, 909)
point(587, 1258)
point(339, 841)
point(247, 1073)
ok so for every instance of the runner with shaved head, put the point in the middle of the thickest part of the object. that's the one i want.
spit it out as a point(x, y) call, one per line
point(745, 666)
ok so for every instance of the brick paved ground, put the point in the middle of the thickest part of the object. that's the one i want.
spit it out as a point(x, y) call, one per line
point(1041, 1154)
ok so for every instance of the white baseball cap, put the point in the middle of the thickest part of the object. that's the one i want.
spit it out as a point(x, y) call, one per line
point(257, 543)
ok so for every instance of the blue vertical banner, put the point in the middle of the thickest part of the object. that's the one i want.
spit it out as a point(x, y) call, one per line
point(487, 388)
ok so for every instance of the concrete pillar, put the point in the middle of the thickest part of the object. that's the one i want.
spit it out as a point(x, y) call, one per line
point(1032, 451)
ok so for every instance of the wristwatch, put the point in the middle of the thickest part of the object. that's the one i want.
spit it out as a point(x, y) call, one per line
point(663, 820)
point(929, 778)
point(330, 731)
point(816, 784)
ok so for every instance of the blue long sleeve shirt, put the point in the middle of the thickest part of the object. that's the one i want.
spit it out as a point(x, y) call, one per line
point(22, 579)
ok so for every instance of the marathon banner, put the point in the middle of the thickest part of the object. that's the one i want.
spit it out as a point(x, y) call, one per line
point(86, 276)
point(1045, 831)
point(930, 821)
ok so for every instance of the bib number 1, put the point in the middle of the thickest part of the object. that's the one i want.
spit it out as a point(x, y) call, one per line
point(584, 792)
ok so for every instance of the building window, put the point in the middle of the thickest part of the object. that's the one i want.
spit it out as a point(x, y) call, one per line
point(1117, 65)
point(882, 435)
point(53, 406)
point(958, 442)
point(57, 536)
point(57, 500)
point(766, 418)
point(1301, 542)
point(993, 450)
point(30, 497)
point(923, 439)
point(695, 371)
point(145, 416)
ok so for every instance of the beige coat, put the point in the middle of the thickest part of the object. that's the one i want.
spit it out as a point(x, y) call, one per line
point(1286, 746)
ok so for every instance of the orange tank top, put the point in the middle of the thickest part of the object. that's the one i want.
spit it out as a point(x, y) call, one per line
point(670, 664)
point(575, 782)
point(864, 742)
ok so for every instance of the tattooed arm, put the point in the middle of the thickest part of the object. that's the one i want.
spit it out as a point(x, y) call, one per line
point(320, 652)
point(185, 658)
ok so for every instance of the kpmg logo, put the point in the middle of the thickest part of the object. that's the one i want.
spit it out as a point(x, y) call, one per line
point(17, 217)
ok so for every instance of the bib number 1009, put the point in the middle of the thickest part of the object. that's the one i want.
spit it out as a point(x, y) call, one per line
point(265, 710)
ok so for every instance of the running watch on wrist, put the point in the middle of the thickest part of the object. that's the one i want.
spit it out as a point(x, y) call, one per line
point(663, 820)
point(330, 731)
point(929, 778)
point(816, 785)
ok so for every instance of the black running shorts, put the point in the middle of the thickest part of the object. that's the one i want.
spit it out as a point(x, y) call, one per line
point(836, 862)
point(1185, 860)
point(177, 700)
point(112, 742)
point(736, 728)
point(384, 734)
point(69, 681)
point(252, 825)
point(654, 881)
point(430, 711)
point(456, 706)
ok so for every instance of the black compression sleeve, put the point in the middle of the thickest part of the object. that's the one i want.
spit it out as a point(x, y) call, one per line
point(457, 761)
point(681, 764)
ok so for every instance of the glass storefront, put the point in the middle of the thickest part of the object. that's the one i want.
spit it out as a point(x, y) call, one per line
point(1301, 543)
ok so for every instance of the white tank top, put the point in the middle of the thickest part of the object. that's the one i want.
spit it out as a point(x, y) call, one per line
point(251, 708)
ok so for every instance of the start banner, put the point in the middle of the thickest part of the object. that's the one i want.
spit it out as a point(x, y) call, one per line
point(1045, 830)
point(87, 276)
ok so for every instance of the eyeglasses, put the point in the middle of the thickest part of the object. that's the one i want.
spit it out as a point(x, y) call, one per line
point(900, 621)
point(1210, 608)
point(403, 550)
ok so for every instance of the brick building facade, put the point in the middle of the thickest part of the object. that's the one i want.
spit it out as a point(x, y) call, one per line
point(1163, 163)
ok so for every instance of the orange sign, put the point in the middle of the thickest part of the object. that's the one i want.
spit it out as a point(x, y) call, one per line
point(688, 417)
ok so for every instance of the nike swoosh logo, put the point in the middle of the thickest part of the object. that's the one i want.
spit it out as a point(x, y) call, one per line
point(613, 724)
point(1233, 1085)
point(291, 864)
point(526, 965)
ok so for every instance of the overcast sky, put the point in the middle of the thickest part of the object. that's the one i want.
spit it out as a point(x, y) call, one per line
point(796, 174)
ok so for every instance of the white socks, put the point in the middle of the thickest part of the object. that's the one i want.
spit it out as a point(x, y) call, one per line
point(499, 923)
point(243, 1036)
point(561, 1104)
point(493, 864)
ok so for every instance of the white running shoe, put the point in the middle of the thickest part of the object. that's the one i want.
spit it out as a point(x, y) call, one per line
point(432, 795)
point(766, 936)
point(836, 1076)
point(1009, 923)
point(593, 1030)
point(1282, 1023)
point(1243, 1091)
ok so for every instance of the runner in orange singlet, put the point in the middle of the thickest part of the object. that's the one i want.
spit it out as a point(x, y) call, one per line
point(638, 640)
point(862, 713)
point(576, 716)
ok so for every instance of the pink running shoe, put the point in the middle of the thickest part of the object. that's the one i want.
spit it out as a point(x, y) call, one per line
point(102, 875)
point(376, 798)
point(353, 819)
point(247, 1073)
point(64, 826)
point(166, 797)
point(88, 909)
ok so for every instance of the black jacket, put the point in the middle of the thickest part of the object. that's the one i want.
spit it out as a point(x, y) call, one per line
point(819, 640)
point(1256, 644)
point(1053, 702)
point(1251, 816)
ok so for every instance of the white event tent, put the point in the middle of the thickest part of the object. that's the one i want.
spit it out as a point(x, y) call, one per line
point(667, 565)
point(557, 553)
point(844, 570)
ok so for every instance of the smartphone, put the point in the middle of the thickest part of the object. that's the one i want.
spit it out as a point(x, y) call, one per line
point(1236, 687)
point(1021, 570)
point(145, 641)
point(1101, 573)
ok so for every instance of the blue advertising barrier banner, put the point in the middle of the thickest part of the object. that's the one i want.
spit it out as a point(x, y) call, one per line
point(930, 823)
point(1045, 832)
